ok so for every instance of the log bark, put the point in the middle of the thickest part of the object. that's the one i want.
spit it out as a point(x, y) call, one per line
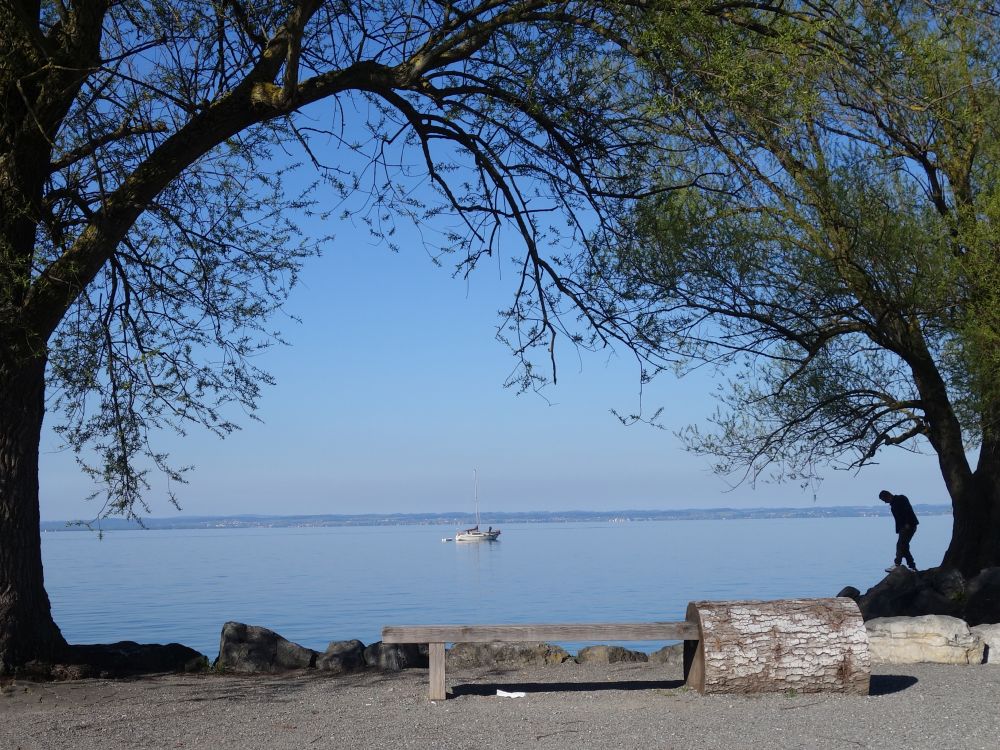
point(801, 645)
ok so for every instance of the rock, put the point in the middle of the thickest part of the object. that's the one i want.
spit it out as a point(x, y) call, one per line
point(126, 658)
point(393, 657)
point(669, 655)
point(505, 654)
point(850, 592)
point(342, 656)
point(929, 638)
point(251, 648)
point(990, 635)
point(936, 591)
point(982, 604)
point(37, 671)
point(947, 582)
point(609, 655)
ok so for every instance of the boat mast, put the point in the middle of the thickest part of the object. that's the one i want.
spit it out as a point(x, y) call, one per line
point(475, 480)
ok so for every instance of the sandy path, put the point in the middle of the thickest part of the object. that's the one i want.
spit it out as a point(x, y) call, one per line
point(569, 707)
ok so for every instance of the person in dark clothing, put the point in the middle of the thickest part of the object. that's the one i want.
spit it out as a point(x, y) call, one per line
point(906, 526)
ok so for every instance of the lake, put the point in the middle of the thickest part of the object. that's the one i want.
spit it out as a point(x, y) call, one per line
point(315, 585)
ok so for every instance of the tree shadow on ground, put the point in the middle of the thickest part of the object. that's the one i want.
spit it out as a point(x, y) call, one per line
point(887, 684)
point(564, 687)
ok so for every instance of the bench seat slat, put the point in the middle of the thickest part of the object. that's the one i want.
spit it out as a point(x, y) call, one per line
point(614, 631)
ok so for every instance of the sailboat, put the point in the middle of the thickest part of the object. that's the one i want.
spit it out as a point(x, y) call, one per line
point(474, 534)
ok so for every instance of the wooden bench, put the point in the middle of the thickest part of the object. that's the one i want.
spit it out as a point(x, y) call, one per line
point(436, 636)
point(805, 645)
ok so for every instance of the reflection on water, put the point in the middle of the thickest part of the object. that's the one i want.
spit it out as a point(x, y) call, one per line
point(314, 585)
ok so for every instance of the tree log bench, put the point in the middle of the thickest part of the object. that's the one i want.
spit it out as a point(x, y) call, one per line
point(802, 645)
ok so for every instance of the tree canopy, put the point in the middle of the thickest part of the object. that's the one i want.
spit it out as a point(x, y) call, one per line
point(836, 249)
point(147, 235)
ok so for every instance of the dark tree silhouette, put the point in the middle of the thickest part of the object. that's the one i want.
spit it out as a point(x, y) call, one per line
point(145, 234)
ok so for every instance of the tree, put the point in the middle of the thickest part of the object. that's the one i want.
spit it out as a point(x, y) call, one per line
point(837, 249)
point(145, 235)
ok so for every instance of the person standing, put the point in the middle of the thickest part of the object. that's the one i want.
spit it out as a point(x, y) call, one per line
point(906, 527)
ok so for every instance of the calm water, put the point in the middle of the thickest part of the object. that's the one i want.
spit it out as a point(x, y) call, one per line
point(323, 584)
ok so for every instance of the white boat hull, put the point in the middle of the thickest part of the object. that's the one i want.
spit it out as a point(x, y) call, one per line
point(477, 536)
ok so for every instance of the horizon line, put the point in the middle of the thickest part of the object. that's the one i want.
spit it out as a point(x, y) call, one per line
point(453, 513)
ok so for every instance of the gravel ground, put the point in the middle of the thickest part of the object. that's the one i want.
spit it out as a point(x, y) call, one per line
point(569, 707)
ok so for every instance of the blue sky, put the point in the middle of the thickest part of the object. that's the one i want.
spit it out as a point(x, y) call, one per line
point(391, 393)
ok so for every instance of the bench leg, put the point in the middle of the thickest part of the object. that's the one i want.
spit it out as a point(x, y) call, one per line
point(435, 652)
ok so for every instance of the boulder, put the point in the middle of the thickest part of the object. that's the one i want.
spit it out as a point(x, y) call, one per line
point(990, 635)
point(342, 656)
point(935, 591)
point(609, 655)
point(505, 654)
point(124, 659)
point(251, 648)
point(929, 638)
point(393, 657)
point(850, 592)
point(982, 604)
point(669, 655)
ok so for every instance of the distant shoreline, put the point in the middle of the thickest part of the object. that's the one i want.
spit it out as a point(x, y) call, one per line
point(495, 518)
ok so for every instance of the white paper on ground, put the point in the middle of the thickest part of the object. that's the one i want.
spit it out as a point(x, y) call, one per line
point(505, 694)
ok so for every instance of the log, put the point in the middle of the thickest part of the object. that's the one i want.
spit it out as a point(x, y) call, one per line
point(801, 645)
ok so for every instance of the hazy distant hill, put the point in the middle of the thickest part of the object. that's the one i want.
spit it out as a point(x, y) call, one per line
point(494, 518)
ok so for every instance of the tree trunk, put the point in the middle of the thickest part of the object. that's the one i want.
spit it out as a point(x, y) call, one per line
point(975, 536)
point(27, 630)
point(805, 645)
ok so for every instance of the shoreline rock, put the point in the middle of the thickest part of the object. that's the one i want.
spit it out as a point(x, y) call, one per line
point(252, 649)
point(934, 639)
point(935, 591)
point(394, 657)
point(504, 654)
point(248, 649)
point(991, 638)
point(114, 660)
point(672, 655)
point(342, 656)
point(609, 655)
